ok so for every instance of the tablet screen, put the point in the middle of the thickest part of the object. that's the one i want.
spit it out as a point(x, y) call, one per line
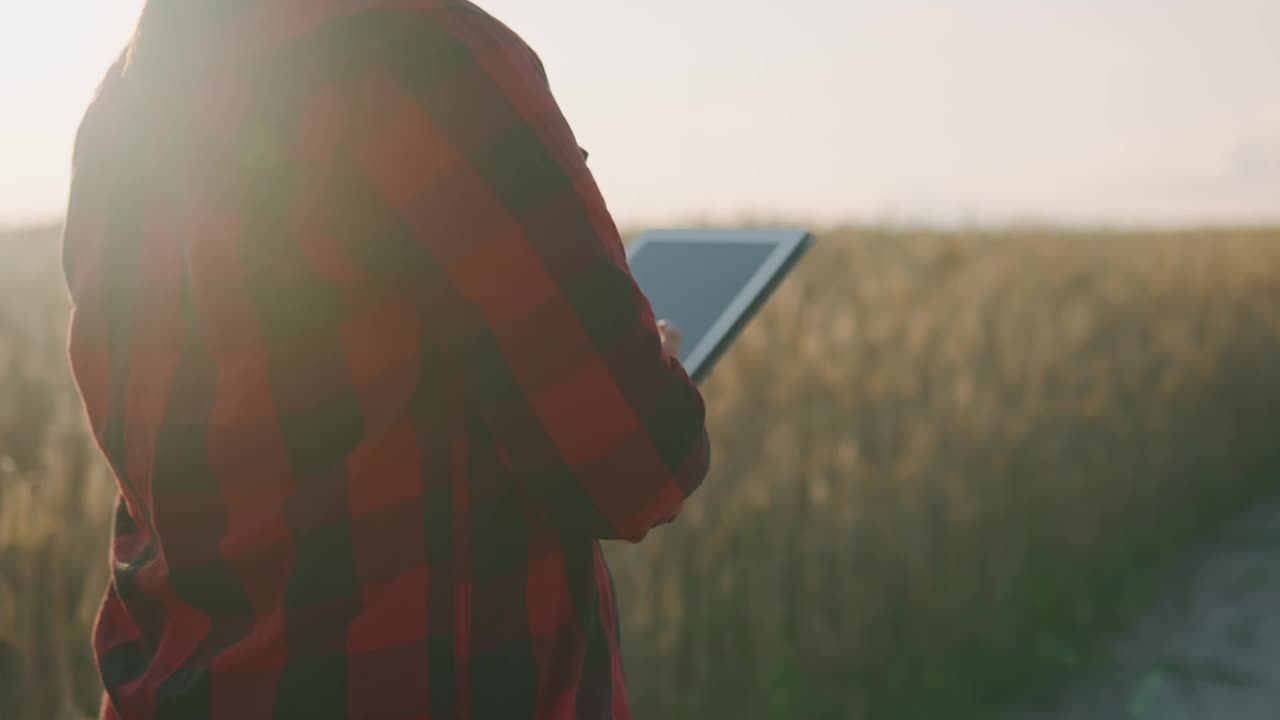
point(691, 283)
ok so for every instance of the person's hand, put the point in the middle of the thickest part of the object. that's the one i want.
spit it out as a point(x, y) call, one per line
point(670, 335)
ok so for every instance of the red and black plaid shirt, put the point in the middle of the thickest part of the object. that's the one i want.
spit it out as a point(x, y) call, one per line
point(355, 330)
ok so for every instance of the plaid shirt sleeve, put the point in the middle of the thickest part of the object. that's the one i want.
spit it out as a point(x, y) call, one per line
point(443, 167)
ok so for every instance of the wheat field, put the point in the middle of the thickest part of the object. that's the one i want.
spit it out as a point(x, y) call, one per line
point(943, 462)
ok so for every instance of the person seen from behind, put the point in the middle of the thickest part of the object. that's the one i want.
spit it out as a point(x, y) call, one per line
point(355, 331)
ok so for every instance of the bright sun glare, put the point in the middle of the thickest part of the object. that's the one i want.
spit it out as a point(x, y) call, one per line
point(52, 55)
point(946, 111)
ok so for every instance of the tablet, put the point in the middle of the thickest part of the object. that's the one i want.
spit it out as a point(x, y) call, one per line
point(710, 282)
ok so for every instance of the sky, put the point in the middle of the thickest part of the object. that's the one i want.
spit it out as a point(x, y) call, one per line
point(942, 111)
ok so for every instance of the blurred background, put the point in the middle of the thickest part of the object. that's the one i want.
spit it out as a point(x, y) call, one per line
point(1034, 352)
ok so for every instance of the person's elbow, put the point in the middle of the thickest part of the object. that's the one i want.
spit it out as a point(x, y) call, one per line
point(676, 486)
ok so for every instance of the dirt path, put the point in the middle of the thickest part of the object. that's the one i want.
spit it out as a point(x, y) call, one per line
point(1211, 647)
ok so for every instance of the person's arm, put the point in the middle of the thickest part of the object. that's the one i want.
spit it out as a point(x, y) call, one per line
point(458, 180)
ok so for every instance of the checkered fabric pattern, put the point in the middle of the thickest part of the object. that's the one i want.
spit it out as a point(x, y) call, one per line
point(355, 331)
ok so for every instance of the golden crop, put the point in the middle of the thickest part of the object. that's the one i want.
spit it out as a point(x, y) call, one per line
point(942, 461)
